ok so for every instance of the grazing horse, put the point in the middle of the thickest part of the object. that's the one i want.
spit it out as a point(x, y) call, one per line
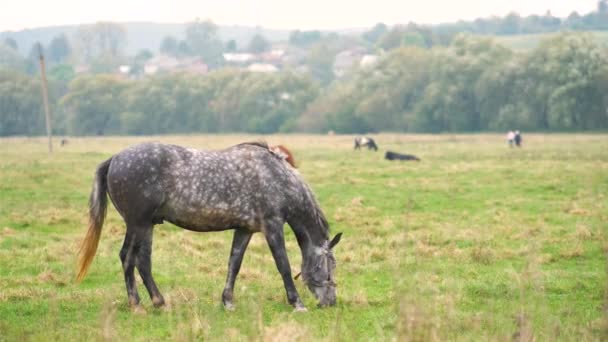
point(365, 141)
point(247, 187)
point(399, 156)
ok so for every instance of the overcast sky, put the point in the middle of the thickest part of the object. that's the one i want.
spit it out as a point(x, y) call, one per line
point(284, 14)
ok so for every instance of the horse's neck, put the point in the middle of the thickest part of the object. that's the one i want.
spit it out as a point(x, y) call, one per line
point(309, 235)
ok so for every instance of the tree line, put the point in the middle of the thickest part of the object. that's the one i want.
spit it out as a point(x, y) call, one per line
point(513, 23)
point(473, 84)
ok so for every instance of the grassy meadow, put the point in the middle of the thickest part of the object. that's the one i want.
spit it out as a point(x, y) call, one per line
point(475, 242)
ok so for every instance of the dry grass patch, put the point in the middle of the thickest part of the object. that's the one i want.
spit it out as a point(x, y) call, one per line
point(288, 331)
point(572, 252)
point(482, 255)
point(416, 324)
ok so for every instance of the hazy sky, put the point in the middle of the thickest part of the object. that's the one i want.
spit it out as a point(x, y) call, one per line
point(286, 14)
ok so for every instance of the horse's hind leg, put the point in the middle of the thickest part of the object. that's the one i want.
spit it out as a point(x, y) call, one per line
point(143, 261)
point(239, 245)
point(127, 257)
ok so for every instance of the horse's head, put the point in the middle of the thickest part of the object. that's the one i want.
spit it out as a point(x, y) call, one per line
point(318, 272)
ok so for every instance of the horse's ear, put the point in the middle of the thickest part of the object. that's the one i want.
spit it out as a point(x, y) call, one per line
point(335, 240)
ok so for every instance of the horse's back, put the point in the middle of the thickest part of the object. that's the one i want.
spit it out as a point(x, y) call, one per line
point(199, 190)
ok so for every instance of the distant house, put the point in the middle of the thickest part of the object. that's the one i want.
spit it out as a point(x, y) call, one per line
point(160, 63)
point(346, 60)
point(262, 67)
point(194, 66)
point(81, 69)
point(273, 56)
point(294, 57)
point(240, 58)
point(368, 61)
point(164, 63)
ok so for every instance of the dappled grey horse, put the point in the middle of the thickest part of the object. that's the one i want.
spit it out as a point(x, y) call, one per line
point(247, 187)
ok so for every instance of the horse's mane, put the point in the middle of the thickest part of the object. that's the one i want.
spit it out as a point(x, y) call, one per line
point(259, 143)
point(282, 152)
point(278, 150)
point(322, 220)
point(317, 213)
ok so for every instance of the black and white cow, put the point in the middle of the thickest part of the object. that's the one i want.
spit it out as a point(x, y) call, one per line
point(365, 141)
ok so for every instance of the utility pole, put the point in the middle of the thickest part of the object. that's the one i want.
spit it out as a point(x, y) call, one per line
point(45, 97)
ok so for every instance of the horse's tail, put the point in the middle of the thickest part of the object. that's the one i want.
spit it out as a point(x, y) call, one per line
point(98, 203)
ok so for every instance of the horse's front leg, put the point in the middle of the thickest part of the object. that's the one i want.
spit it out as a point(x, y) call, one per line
point(239, 245)
point(276, 242)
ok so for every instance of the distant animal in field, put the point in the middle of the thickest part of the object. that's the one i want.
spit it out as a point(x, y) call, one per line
point(284, 153)
point(517, 138)
point(63, 142)
point(246, 188)
point(365, 141)
point(399, 156)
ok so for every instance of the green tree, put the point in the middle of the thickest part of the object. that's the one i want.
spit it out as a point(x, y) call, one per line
point(10, 59)
point(143, 55)
point(569, 71)
point(375, 33)
point(103, 40)
point(390, 92)
point(511, 24)
point(258, 44)
point(304, 38)
point(391, 39)
point(59, 49)
point(602, 7)
point(111, 38)
point(450, 102)
point(230, 46)
point(413, 38)
point(93, 104)
point(203, 40)
point(20, 105)
point(169, 46)
point(320, 60)
point(10, 42)
point(62, 72)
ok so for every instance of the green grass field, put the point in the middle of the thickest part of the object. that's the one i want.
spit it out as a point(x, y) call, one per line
point(476, 242)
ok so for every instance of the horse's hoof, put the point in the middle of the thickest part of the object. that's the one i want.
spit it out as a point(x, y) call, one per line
point(133, 301)
point(300, 309)
point(158, 302)
point(138, 310)
point(228, 306)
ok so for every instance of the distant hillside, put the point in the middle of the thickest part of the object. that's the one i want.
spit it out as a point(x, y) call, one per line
point(143, 35)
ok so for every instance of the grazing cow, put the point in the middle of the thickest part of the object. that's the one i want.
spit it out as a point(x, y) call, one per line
point(517, 139)
point(365, 141)
point(247, 188)
point(399, 156)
